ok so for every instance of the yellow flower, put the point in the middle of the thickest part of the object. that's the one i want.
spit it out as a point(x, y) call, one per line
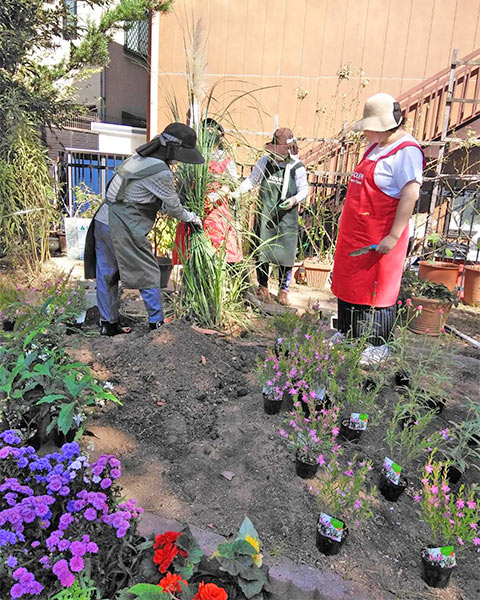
point(255, 543)
point(258, 559)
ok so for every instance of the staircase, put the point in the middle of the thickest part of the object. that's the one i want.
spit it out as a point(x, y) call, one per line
point(424, 108)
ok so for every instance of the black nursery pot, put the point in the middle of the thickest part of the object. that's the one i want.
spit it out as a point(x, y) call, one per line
point(369, 384)
point(328, 546)
point(436, 404)
point(453, 475)
point(8, 325)
point(346, 433)
point(389, 490)
point(305, 470)
point(402, 378)
point(270, 406)
point(434, 575)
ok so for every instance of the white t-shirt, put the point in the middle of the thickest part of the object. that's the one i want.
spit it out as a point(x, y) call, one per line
point(393, 173)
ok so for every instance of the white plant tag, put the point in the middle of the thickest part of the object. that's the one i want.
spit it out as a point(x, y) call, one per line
point(358, 421)
point(391, 470)
point(330, 527)
point(443, 557)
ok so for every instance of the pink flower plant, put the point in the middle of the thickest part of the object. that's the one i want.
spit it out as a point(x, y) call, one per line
point(341, 492)
point(452, 519)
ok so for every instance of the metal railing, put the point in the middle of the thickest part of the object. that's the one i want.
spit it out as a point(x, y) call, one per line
point(91, 168)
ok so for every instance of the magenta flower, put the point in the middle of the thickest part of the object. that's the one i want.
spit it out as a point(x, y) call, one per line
point(471, 504)
point(320, 460)
point(476, 541)
point(417, 498)
point(460, 503)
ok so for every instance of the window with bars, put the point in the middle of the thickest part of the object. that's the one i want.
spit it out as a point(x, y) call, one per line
point(136, 39)
point(70, 20)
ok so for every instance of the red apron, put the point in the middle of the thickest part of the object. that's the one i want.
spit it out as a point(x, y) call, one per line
point(371, 279)
point(218, 223)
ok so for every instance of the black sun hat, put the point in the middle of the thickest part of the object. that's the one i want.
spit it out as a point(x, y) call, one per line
point(176, 142)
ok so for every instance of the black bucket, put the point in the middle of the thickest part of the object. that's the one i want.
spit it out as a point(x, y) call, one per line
point(165, 265)
point(434, 575)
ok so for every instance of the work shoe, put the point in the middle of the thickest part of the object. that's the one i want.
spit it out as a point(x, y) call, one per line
point(282, 297)
point(156, 325)
point(263, 294)
point(107, 328)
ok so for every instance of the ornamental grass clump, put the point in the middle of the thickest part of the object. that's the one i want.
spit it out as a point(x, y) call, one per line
point(453, 518)
point(61, 517)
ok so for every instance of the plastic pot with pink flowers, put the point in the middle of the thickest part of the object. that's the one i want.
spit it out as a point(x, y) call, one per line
point(341, 495)
point(453, 519)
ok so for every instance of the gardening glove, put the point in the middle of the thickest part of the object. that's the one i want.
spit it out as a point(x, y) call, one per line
point(288, 203)
point(196, 223)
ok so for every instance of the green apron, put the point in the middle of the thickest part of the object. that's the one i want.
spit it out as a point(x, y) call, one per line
point(277, 229)
point(130, 223)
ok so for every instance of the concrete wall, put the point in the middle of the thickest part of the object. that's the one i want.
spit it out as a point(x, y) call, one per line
point(322, 57)
point(126, 85)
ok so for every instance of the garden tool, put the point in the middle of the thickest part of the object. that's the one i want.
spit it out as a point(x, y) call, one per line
point(279, 212)
point(363, 250)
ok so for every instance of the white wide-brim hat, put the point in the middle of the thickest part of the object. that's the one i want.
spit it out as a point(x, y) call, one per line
point(380, 113)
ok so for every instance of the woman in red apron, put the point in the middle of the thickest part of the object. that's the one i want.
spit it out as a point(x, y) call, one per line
point(381, 196)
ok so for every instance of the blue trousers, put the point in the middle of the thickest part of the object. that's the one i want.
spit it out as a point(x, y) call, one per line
point(107, 280)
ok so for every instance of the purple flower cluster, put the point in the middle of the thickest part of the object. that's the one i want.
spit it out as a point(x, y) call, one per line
point(51, 507)
point(27, 584)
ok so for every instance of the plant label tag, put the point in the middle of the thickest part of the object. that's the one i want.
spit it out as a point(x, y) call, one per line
point(330, 527)
point(443, 556)
point(81, 317)
point(267, 390)
point(320, 393)
point(358, 421)
point(391, 470)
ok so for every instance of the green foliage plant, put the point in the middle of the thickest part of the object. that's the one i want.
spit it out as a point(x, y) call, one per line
point(461, 449)
point(413, 286)
point(451, 518)
point(82, 589)
point(407, 435)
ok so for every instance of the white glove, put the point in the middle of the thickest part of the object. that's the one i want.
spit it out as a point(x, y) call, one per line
point(196, 222)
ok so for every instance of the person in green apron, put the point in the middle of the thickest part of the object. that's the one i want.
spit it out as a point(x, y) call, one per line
point(117, 246)
point(283, 185)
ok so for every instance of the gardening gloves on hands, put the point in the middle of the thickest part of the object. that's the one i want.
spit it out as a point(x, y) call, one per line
point(288, 203)
point(196, 222)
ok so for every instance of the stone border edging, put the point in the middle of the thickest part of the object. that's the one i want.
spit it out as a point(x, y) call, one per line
point(288, 580)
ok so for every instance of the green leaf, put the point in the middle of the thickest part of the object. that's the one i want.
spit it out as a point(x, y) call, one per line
point(247, 528)
point(195, 555)
point(42, 369)
point(148, 591)
point(65, 417)
point(51, 398)
point(145, 545)
point(250, 588)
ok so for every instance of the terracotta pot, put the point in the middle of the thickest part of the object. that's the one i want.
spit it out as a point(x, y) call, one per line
point(471, 285)
point(431, 320)
point(317, 275)
point(439, 272)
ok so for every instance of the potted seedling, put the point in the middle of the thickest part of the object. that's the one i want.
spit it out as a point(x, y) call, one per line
point(429, 304)
point(311, 438)
point(459, 451)
point(341, 496)
point(452, 519)
point(271, 376)
point(405, 444)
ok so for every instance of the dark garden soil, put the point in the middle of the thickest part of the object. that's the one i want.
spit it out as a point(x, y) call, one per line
point(196, 446)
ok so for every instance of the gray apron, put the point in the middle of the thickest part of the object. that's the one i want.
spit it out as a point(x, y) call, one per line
point(273, 225)
point(130, 223)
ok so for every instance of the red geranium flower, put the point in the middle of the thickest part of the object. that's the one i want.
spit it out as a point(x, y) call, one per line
point(163, 557)
point(171, 583)
point(169, 537)
point(210, 591)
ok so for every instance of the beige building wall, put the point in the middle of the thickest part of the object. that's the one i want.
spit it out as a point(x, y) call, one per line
point(308, 64)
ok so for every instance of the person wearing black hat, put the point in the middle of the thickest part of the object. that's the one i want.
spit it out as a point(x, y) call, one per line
point(283, 185)
point(117, 246)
